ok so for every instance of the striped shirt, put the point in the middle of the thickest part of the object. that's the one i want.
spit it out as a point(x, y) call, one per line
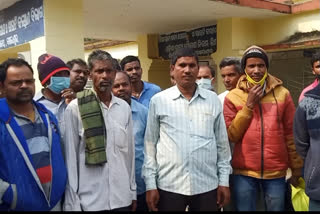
point(36, 136)
point(58, 110)
point(186, 143)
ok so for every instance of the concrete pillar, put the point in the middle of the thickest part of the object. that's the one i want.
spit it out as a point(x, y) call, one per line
point(63, 22)
point(234, 35)
point(142, 41)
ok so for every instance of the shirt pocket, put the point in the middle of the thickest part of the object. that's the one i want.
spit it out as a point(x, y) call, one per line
point(204, 125)
point(121, 138)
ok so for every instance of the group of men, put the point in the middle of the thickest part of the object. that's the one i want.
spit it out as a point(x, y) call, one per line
point(126, 145)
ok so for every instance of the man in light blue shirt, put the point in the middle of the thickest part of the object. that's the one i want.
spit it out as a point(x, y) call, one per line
point(142, 91)
point(122, 88)
point(187, 153)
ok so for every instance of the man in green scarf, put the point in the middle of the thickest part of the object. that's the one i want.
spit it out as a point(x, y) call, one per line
point(99, 146)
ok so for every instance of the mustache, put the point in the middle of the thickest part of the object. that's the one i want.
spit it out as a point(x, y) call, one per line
point(81, 78)
point(25, 92)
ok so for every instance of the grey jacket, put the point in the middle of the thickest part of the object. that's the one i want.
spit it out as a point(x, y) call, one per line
point(307, 139)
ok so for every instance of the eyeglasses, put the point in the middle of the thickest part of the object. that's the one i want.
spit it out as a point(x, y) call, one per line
point(18, 83)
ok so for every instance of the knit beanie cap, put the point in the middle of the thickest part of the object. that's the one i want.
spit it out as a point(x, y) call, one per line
point(49, 65)
point(256, 52)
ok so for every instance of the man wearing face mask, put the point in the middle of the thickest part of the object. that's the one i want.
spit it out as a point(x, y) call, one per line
point(56, 94)
point(259, 116)
point(205, 78)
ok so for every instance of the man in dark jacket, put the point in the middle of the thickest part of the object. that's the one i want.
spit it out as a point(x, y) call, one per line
point(307, 139)
point(32, 171)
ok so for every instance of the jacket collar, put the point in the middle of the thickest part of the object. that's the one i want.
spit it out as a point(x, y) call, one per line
point(6, 114)
point(315, 92)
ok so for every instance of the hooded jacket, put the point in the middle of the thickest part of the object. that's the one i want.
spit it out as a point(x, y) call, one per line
point(263, 136)
point(17, 174)
point(307, 139)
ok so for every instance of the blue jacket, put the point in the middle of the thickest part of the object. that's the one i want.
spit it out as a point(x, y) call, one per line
point(307, 139)
point(17, 175)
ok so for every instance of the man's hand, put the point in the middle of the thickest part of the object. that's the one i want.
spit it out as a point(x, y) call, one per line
point(68, 94)
point(134, 205)
point(254, 95)
point(223, 196)
point(152, 198)
point(294, 180)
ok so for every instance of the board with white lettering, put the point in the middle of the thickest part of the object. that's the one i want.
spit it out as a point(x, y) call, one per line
point(21, 23)
point(203, 40)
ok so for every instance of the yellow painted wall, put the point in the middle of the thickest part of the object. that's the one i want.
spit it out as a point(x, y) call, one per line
point(225, 43)
point(243, 34)
point(64, 28)
point(13, 52)
point(142, 41)
point(273, 30)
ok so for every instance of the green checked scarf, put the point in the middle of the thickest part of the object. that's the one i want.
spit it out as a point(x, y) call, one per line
point(94, 127)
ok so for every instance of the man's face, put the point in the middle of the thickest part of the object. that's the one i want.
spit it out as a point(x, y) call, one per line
point(102, 75)
point(185, 71)
point(229, 76)
point(122, 87)
point(205, 73)
point(256, 68)
point(19, 86)
point(316, 68)
point(78, 77)
point(63, 73)
point(134, 71)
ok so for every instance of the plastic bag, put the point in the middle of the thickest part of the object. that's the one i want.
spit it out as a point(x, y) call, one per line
point(300, 200)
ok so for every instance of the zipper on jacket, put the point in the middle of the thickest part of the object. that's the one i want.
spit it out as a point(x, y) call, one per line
point(50, 150)
point(262, 133)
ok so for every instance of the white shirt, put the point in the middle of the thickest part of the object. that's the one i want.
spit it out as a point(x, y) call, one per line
point(222, 96)
point(100, 187)
point(186, 143)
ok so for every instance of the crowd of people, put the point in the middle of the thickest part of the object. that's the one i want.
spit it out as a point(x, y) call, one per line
point(125, 144)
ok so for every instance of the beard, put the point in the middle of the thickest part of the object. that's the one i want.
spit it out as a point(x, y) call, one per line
point(22, 97)
point(105, 86)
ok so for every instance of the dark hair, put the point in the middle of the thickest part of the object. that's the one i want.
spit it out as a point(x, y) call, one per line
point(98, 55)
point(227, 61)
point(129, 59)
point(125, 73)
point(212, 71)
point(116, 64)
point(183, 52)
point(77, 61)
point(17, 62)
point(315, 58)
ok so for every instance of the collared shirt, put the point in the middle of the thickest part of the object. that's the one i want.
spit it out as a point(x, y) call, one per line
point(186, 143)
point(139, 118)
point(57, 109)
point(36, 136)
point(149, 89)
point(101, 187)
point(222, 96)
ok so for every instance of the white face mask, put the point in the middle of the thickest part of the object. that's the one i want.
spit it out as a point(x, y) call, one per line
point(204, 83)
